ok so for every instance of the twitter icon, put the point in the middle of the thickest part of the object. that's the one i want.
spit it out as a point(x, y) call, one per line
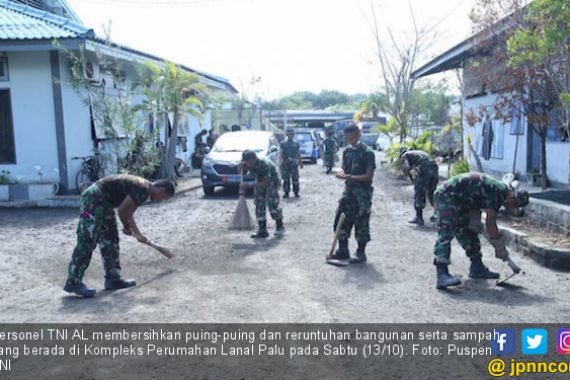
point(534, 341)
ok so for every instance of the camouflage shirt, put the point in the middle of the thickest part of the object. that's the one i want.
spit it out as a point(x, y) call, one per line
point(357, 161)
point(473, 191)
point(330, 144)
point(289, 149)
point(263, 170)
point(419, 158)
point(116, 188)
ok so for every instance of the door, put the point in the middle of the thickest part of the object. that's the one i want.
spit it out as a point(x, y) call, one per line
point(533, 156)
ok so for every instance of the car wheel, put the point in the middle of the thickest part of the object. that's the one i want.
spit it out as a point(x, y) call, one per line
point(208, 190)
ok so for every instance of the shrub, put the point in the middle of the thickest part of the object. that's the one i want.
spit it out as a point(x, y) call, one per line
point(5, 177)
point(459, 167)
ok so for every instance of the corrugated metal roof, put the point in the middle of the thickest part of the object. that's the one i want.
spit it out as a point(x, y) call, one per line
point(22, 22)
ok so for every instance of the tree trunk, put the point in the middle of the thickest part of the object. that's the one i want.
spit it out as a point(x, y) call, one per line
point(477, 159)
point(163, 146)
point(544, 182)
point(171, 148)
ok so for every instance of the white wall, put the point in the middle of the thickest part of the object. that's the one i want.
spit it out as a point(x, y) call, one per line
point(31, 94)
point(30, 86)
point(557, 166)
point(495, 165)
point(77, 124)
point(557, 153)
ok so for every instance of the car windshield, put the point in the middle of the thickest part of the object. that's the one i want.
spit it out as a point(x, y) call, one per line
point(238, 142)
point(369, 138)
point(302, 137)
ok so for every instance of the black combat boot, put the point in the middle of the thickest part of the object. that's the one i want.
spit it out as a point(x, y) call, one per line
point(115, 283)
point(419, 219)
point(79, 288)
point(444, 279)
point(286, 194)
point(360, 256)
point(261, 231)
point(479, 270)
point(341, 256)
point(280, 230)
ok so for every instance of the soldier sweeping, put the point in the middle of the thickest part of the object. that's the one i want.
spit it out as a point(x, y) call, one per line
point(358, 165)
point(97, 225)
point(423, 171)
point(330, 150)
point(289, 162)
point(266, 192)
point(455, 200)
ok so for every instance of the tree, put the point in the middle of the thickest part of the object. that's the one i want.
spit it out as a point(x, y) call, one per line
point(429, 104)
point(545, 42)
point(518, 63)
point(242, 103)
point(375, 103)
point(397, 60)
point(170, 91)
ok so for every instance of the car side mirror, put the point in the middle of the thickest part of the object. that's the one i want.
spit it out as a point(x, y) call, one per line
point(273, 149)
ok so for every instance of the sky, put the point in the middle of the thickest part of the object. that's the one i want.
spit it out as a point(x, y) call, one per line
point(293, 45)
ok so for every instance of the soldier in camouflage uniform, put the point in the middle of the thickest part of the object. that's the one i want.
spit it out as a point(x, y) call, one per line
point(98, 226)
point(290, 161)
point(454, 200)
point(358, 165)
point(424, 172)
point(266, 192)
point(329, 154)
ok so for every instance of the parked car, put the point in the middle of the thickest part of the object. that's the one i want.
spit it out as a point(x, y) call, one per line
point(383, 142)
point(220, 166)
point(308, 142)
point(370, 139)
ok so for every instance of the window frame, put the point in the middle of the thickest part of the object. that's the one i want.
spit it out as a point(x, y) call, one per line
point(14, 160)
point(4, 64)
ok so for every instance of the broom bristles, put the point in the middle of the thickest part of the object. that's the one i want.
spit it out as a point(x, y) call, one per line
point(242, 219)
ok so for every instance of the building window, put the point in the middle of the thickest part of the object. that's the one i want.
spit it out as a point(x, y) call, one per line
point(4, 69)
point(559, 127)
point(7, 146)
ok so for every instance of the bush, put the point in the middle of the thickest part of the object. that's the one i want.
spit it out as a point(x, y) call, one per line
point(423, 142)
point(5, 177)
point(460, 167)
point(142, 156)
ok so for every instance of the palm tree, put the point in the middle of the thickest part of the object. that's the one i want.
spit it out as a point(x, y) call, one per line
point(171, 91)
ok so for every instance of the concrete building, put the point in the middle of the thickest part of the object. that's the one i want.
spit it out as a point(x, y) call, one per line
point(44, 123)
point(512, 144)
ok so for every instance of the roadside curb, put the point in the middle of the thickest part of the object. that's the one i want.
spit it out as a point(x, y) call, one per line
point(44, 203)
point(550, 257)
point(66, 203)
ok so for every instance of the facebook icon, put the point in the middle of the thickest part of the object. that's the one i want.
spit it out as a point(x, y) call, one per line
point(503, 342)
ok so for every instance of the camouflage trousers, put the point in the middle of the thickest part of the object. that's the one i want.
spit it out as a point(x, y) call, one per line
point(290, 173)
point(267, 198)
point(329, 159)
point(97, 226)
point(453, 222)
point(424, 185)
point(356, 204)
